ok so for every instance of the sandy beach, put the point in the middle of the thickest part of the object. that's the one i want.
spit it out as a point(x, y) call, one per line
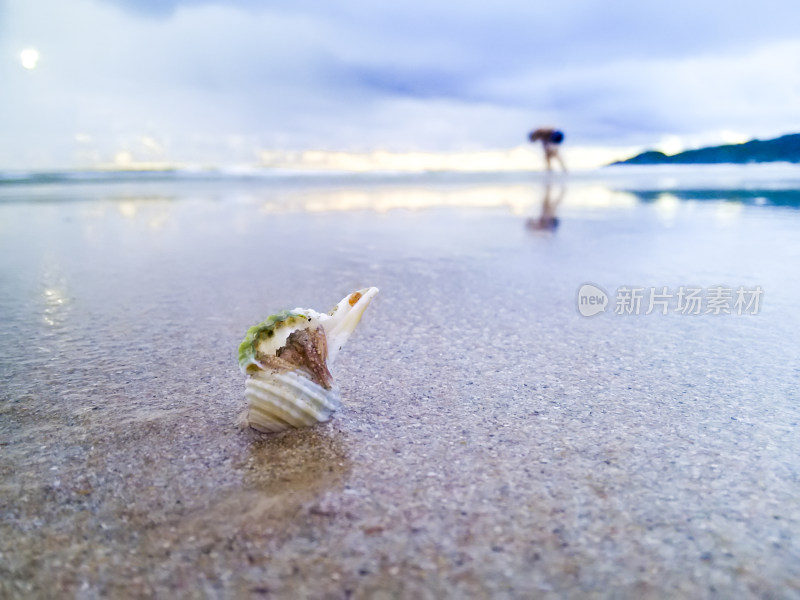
point(492, 443)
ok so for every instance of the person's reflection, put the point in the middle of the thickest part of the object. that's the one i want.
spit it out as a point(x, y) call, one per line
point(547, 221)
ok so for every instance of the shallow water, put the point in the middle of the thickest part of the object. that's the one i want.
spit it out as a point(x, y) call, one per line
point(492, 441)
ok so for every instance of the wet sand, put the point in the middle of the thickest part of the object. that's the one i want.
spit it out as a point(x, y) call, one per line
point(492, 441)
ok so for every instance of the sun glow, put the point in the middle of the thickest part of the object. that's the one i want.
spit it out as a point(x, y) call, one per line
point(521, 158)
point(29, 58)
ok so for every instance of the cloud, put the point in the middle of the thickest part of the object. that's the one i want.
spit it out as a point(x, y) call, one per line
point(192, 75)
point(573, 30)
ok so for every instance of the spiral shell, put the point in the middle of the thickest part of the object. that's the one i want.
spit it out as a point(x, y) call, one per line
point(286, 360)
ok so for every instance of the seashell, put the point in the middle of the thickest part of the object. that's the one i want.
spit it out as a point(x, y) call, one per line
point(286, 360)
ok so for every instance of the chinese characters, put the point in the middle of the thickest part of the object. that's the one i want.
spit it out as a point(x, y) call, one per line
point(686, 300)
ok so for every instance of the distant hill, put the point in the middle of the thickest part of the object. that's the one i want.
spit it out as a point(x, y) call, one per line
point(783, 149)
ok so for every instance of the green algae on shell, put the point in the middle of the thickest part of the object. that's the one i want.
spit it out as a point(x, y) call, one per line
point(286, 359)
point(269, 331)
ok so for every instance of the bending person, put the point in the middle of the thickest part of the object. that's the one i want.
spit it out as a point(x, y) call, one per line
point(551, 139)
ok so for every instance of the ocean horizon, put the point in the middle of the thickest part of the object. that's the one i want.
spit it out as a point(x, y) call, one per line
point(778, 175)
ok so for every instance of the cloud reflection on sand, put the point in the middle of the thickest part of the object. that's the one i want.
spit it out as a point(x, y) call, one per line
point(517, 199)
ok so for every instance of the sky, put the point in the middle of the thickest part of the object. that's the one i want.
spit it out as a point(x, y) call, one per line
point(93, 83)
